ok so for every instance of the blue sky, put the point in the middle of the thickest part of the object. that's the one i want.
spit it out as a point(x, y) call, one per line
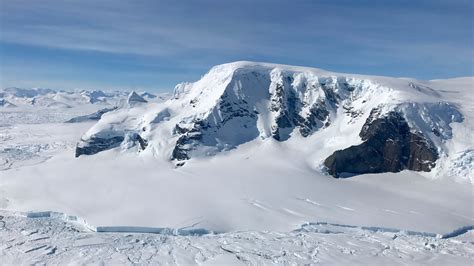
point(153, 45)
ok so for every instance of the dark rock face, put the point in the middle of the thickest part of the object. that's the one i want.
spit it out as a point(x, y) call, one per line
point(143, 142)
point(292, 111)
point(91, 117)
point(287, 105)
point(317, 115)
point(180, 151)
point(187, 141)
point(5, 103)
point(284, 103)
point(95, 145)
point(229, 112)
point(233, 109)
point(132, 139)
point(389, 146)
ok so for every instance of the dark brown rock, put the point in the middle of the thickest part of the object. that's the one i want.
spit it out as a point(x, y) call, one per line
point(389, 146)
point(95, 145)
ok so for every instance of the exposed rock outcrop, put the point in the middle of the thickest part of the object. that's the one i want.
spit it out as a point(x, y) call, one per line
point(126, 141)
point(293, 110)
point(96, 144)
point(389, 146)
point(5, 103)
point(189, 138)
point(300, 104)
point(91, 117)
point(133, 139)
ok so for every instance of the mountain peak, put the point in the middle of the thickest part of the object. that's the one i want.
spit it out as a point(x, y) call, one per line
point(134, 98)
point(244, 101)
point(264, 65)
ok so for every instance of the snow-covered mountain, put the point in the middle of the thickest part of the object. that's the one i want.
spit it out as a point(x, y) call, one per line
point(344, 124)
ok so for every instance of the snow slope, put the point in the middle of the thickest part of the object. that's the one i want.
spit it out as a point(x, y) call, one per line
point(267, 187)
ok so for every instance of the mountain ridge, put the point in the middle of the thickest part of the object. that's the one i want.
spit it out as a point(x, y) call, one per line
point(242, 101)
point(43, 97)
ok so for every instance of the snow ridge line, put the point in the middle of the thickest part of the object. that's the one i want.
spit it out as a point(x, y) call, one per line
point(201, 231)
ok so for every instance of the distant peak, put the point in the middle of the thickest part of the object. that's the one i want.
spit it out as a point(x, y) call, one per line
point(133, 97)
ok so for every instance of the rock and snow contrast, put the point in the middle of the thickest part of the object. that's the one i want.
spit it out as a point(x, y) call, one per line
point(246, 159)
point(388, 124)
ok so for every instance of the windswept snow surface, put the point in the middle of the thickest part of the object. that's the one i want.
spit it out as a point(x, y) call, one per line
point(265, 188)
point(60, 240)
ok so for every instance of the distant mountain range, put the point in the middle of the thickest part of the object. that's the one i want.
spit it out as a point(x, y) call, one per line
point(39, 97)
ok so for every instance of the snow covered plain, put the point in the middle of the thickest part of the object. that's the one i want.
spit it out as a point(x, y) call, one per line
point(263, 200)
point(56, 239)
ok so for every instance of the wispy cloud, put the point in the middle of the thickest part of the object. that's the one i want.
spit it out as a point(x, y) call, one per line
point(119, 27)
point(187, 37)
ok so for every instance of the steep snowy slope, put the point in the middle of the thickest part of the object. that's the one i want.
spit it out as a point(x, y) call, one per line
point(381, 124)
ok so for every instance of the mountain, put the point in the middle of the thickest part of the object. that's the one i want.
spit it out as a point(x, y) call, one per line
point(133, 99)
point(48, 98)
point(39, 97)
point(360, 124)
point(5, 103)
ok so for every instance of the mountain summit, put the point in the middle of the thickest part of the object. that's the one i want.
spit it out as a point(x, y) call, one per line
point(363, 124)
point(134, 98)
